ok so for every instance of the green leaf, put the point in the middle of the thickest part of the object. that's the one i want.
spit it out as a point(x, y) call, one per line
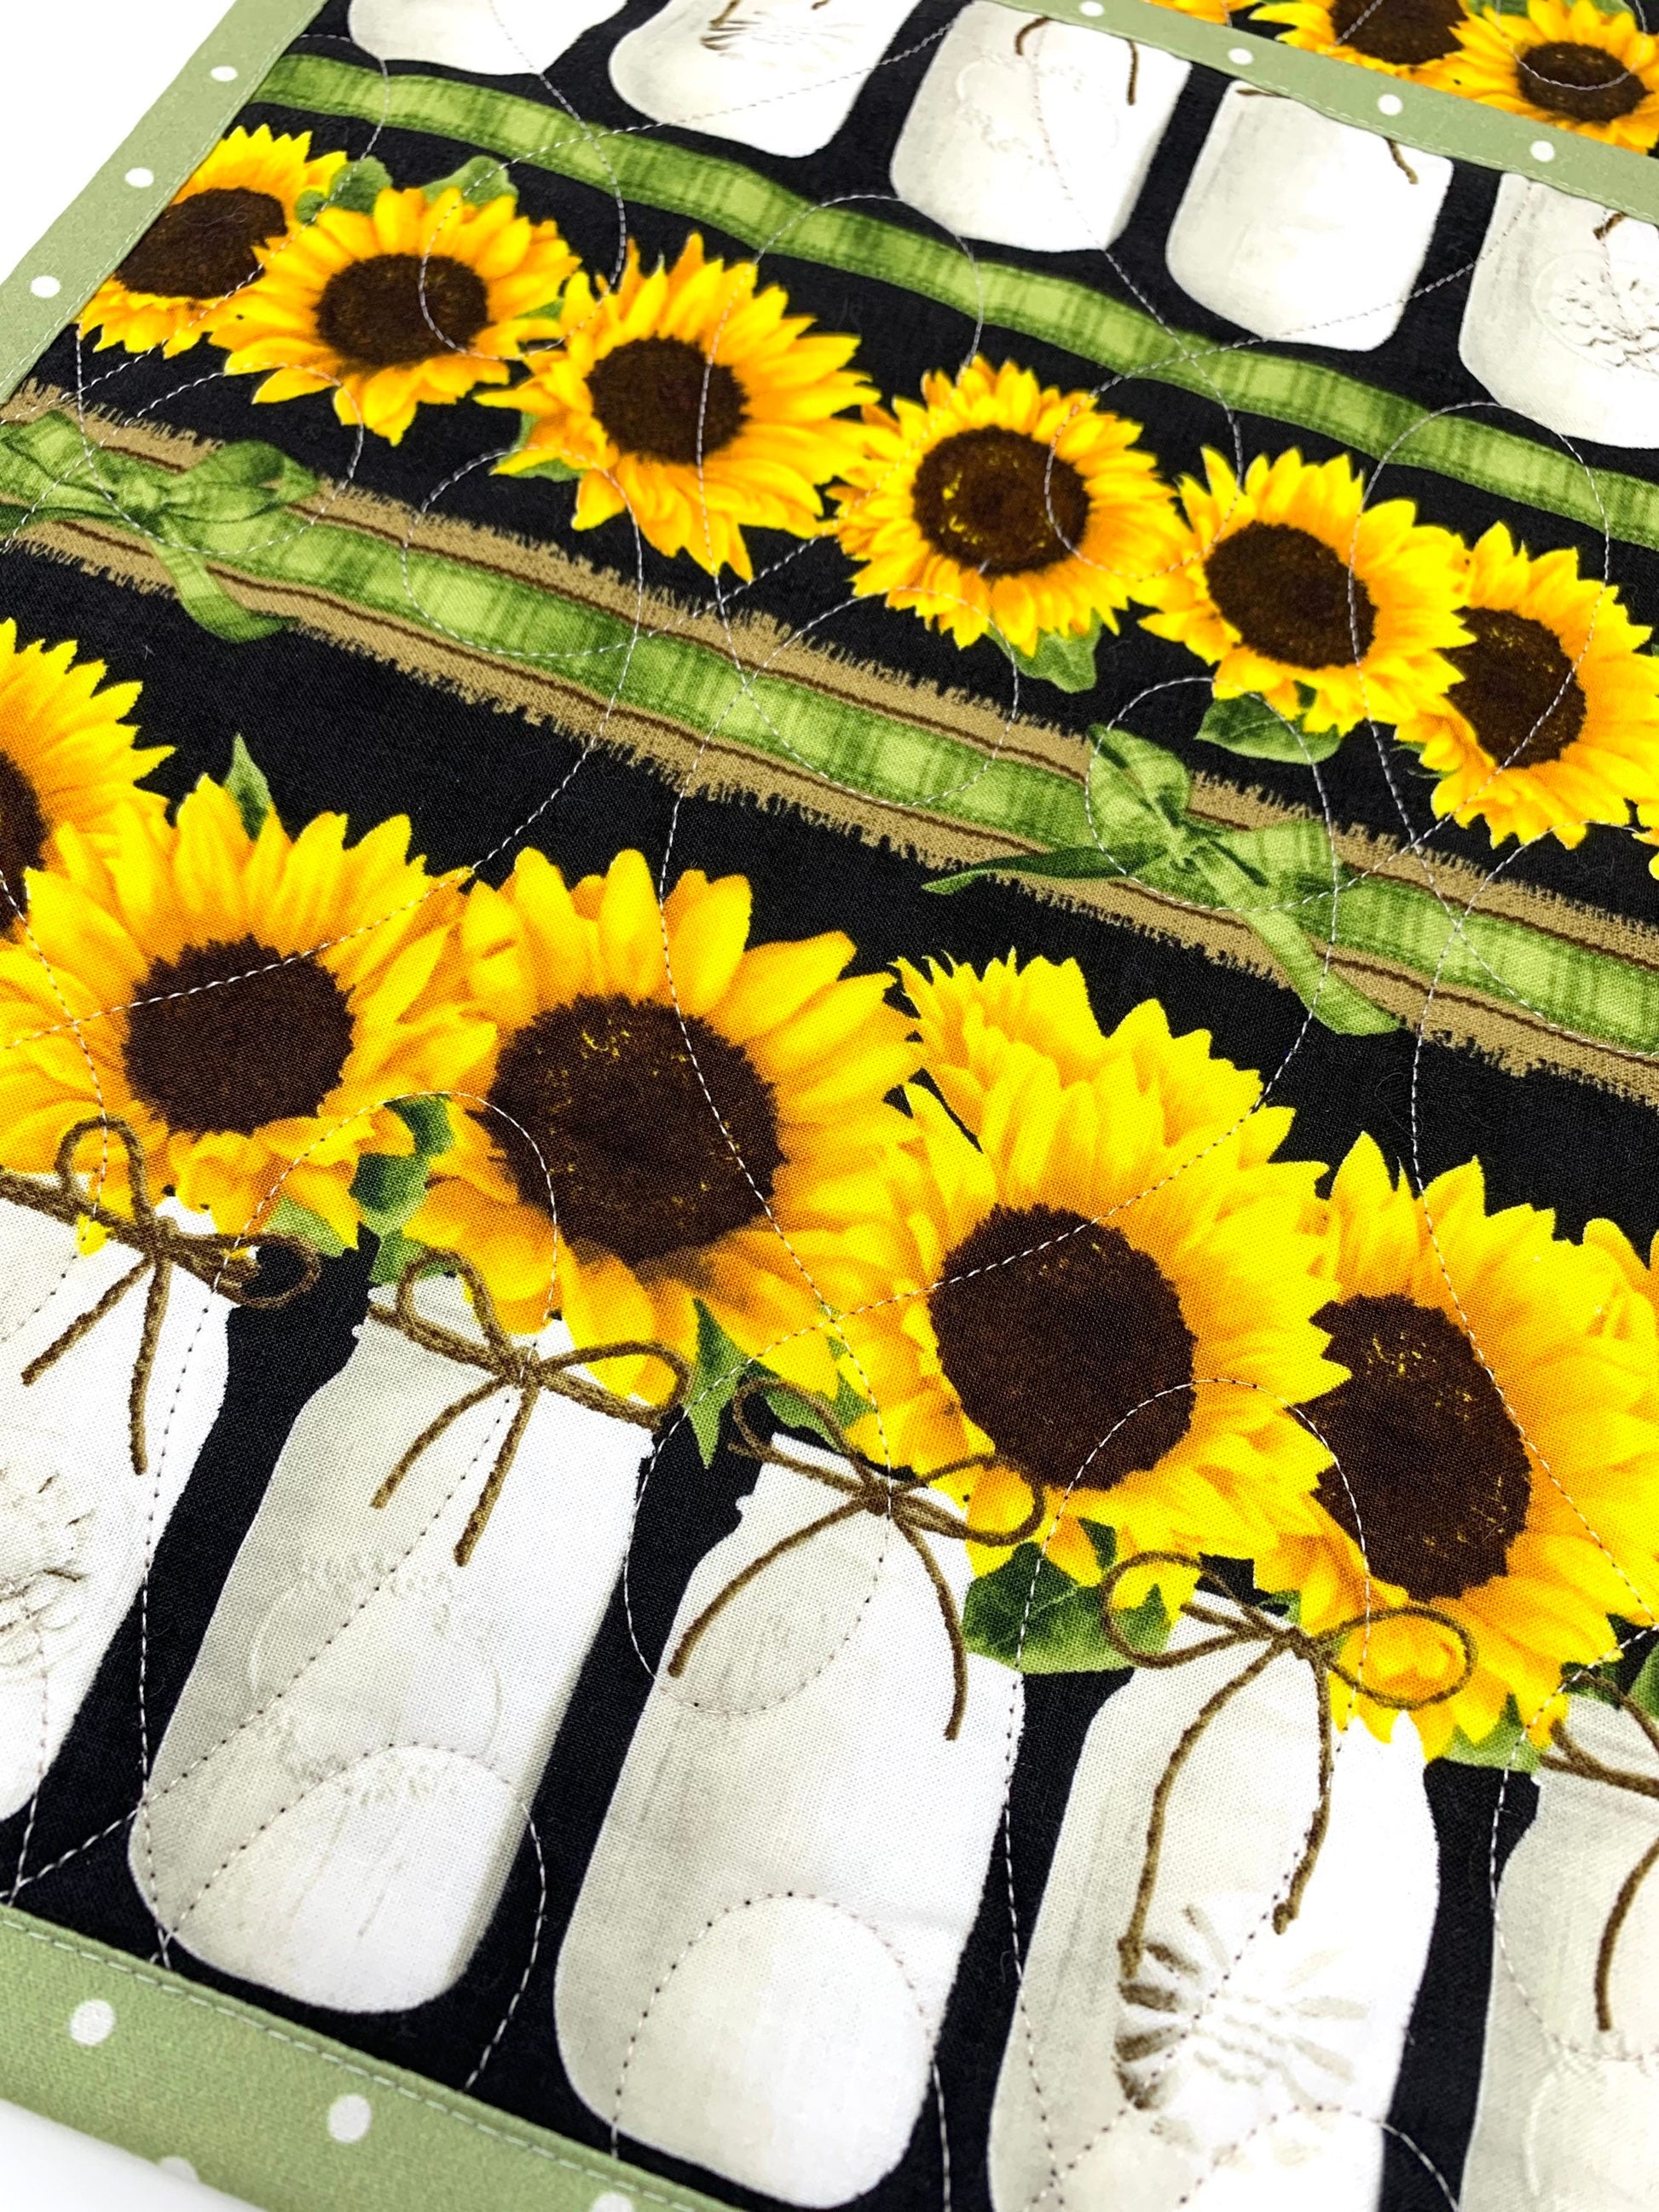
point(550, 466)
point(357, 186)
point(245, 781)
point(1067, 663)
point(395, 1253)
point(388, 1186)
point(288, 1218)
point(720, 1368)
point(551, 471)
point(1029, 1615)
point(427, 1121)
point(478, 181)
point(1508, 1745)
point(1643, 1692)
point(388, 1189)
point(1250, 727)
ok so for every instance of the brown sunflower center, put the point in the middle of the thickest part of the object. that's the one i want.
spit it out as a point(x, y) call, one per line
point(1066, 1345)
point(1517, 687)
point(1289, 596)
point(1432, 1478)
point(202, 247)
point(1586, 83)
point(395, 308)
point(638, 1134)
point(1406, 33)
point(22, 831)
point(999, 502)
point(662, 399)
point(231, 1037)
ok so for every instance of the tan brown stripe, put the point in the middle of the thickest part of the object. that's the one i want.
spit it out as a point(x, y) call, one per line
point(716, 767)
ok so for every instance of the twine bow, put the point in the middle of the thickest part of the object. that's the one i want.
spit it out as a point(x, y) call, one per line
point(1569, 1757)
point(901, 1499)
point(222, 1260)
point(1238, 1629)
point(512, 1365)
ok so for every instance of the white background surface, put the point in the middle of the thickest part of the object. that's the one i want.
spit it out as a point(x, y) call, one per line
point(79, 74)
point(77, 79)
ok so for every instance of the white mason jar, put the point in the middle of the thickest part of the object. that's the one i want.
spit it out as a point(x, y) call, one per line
point(1562, 322)
point(1034, 133)
point(1231, 2066)
point(768, 1932)
point(779, 75)
point(1294, 227)
point(1569, 2112)
point(79, 1522)
point(347, 1777)
point(495, 38)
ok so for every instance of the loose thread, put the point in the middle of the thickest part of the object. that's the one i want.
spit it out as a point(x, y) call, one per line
point(1025, 31)
point(1401, 163)
point(512, 1366)
point(1237, 1629)
point(223, 1262)
point(902, 1500)
point(1585, 1767)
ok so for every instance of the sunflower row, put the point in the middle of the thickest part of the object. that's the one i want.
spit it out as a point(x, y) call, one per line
point(1070, 1265)
point(1569, 62)
point(691, 400)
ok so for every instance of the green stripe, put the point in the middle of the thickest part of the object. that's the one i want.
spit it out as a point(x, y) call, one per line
point(765, 217)
point(878, 755)
point(183, 2072)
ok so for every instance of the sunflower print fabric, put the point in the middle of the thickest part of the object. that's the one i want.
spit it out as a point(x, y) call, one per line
point(829, 1344)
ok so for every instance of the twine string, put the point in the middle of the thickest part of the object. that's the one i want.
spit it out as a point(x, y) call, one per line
point(901, 1499)
point(1569, 1757)
point(513, 1365)
point(223, 1261)
point(1238, 1625)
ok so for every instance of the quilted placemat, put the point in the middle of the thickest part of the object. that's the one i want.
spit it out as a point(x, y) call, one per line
point(828, 1019)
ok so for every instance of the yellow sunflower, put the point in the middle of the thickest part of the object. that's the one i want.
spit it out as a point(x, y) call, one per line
point(1496, 1452)
point(1399, 37)
point(1554, 721)
point(671, 1114)
point(971, 1025)
point(1108, 1310)
point(249, 1005)
point(68, 760)
point(997, 505)
point(207, 242)
point(1206, 11)
point(1289, 579)
point(694, 402)
point(411, 306)
point(1572, 66)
